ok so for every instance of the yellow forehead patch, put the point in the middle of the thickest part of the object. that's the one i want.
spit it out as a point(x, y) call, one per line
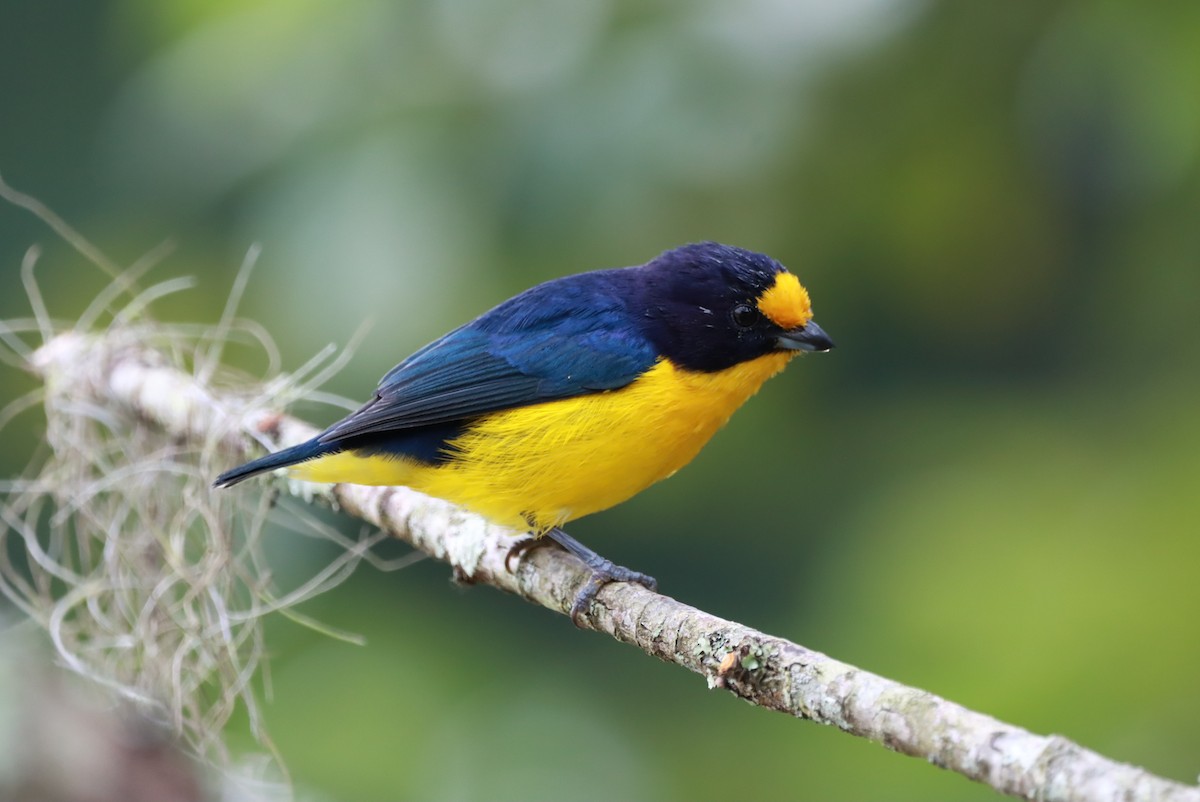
point(786, 302)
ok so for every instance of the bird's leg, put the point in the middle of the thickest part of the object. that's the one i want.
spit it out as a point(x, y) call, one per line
point(603, 572)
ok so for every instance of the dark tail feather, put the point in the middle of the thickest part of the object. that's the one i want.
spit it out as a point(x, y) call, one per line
point(280, 459)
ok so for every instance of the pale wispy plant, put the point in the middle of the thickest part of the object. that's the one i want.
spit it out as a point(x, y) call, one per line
point(146, 580)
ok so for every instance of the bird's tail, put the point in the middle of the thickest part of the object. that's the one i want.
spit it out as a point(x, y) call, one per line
point(280, 459)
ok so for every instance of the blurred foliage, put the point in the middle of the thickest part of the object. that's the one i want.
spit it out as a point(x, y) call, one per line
point(988, 490)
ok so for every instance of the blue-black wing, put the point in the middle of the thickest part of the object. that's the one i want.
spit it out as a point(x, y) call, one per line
point(558, 340)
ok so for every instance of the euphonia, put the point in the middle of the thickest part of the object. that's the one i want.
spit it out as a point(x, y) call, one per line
point(572, 396)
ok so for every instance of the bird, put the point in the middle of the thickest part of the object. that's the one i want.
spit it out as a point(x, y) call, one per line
point(572, 396)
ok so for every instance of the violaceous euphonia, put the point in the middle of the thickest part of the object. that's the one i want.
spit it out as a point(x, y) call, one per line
point(572, 396)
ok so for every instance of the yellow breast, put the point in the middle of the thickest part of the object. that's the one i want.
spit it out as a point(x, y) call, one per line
point(550, 463)
point(543, 465)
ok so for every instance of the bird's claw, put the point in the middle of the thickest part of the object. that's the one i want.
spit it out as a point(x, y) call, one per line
point(518, 549)
point(602, 570)
point(602, 574)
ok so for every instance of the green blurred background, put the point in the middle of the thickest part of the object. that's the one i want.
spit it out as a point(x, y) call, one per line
point(989, 490)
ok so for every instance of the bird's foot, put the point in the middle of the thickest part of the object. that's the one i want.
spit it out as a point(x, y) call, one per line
point(518, 549)
point(603, 572)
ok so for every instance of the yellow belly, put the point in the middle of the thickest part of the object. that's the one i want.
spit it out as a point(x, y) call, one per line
point(543, 465)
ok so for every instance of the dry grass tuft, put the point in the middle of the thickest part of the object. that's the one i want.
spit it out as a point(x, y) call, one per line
point(147, 581)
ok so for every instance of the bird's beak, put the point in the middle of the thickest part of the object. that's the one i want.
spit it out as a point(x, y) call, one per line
point(809, 337)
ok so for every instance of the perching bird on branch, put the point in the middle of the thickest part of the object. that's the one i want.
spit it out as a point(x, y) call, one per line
point(574, 395)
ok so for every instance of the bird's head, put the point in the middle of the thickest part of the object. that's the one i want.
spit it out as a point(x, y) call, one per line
point(710, 306)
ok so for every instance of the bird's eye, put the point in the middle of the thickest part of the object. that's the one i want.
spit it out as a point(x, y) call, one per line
point(744, 316)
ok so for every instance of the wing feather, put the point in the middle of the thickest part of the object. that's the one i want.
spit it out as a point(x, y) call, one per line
point(540, 346)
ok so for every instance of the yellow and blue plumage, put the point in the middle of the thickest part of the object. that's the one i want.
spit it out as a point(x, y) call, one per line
point(574, 395)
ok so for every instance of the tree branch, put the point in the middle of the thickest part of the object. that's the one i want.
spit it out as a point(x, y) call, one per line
point(766, 671)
